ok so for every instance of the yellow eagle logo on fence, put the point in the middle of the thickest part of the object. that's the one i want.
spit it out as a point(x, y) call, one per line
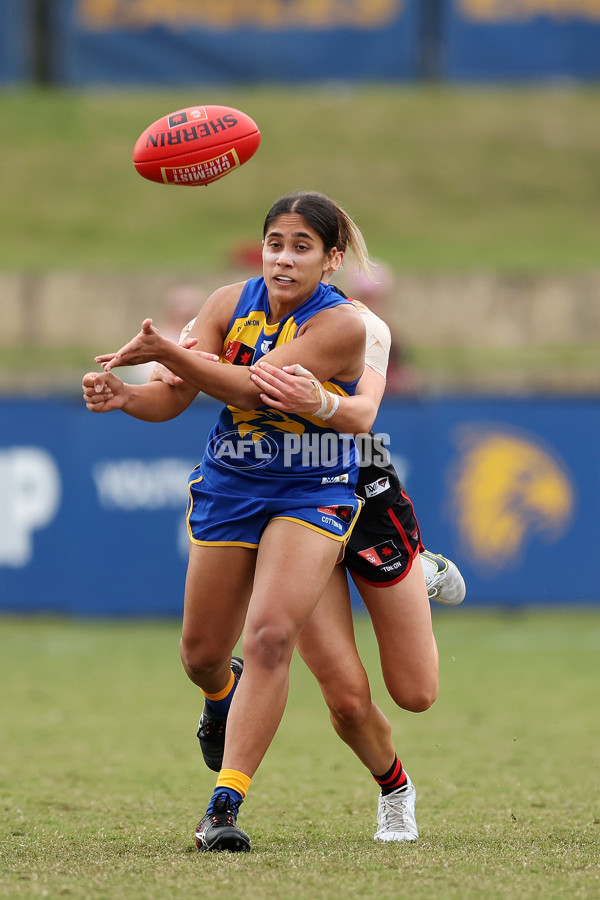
point(507, 488)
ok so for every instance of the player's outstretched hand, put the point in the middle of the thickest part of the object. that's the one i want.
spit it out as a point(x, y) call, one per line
point(145, 347)
point(161, 373)
point(291, 389)
point(103, 392)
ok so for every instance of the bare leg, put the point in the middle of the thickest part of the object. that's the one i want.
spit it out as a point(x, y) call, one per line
point(328, 647)
point(218, 586)
point(286, 590)
point(401, 618)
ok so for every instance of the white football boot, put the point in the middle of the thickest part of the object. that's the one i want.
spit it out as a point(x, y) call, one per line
point(396, 815)
point(444, 582)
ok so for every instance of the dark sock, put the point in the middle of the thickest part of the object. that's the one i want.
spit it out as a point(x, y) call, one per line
point(219, 703)
point(394, 778)
point(235, 798)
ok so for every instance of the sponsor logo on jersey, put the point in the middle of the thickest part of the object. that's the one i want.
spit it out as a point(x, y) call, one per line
point(265, 346)
point(239, 354)
point(335, 479)
point(377, 487)
point(380, 554)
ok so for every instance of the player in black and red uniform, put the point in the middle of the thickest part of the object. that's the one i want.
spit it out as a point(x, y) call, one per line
point(393, 572)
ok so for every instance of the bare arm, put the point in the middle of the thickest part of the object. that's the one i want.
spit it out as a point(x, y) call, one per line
point(153, 402)
point(331, 343)
point(296, 393)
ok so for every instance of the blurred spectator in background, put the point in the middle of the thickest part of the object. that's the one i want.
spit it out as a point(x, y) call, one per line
point(247, 255)
point(182, 302)
point(402, 378)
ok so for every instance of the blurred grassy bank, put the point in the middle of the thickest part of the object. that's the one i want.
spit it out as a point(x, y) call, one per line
point(448, 181)
point(438, 179)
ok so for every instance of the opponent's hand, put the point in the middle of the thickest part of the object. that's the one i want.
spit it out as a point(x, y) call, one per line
point(103, 392)
point(161, 373)
point(291, 389)
point(145, 347)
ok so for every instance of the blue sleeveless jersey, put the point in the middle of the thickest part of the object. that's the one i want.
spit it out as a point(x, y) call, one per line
point(265, 452)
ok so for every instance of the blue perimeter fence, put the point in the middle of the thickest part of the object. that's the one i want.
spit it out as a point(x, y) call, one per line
point(179, 42)
point(93, 506)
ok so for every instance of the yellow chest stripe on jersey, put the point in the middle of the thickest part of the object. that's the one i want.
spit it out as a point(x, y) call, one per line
point(248, 329)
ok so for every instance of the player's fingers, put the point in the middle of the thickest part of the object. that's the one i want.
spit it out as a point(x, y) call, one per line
point(91, 396)
point(94, 382)
point(89, 379)
point(96, 401)
point(273, 372)
point(97, 407)
point(270, 401)
point(272, 376)
point(297, 369)
point(266, 385)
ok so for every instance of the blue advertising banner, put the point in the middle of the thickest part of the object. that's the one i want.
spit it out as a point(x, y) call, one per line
point(92, 506)
point(175, 42)
point(187, 42)
point(15, 41)
point(509, 40)
point(178, 42)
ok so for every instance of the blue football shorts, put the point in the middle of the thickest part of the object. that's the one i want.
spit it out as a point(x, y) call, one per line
point(230, 520)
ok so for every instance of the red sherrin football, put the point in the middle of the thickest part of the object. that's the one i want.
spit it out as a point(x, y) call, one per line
point(196, 145)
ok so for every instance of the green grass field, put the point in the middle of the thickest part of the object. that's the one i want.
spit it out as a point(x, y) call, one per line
point(439, 179)
point(102, 780)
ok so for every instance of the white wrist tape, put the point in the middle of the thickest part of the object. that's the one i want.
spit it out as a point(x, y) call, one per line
point(186, 329)
point(333, 401)
point(329, 402)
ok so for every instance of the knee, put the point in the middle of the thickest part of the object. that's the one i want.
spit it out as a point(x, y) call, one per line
point(270, 645)
point(349, 705)
point(415, 698)
point(351, 710)
point(200, 659)
point(414, 690)
point(420, 702)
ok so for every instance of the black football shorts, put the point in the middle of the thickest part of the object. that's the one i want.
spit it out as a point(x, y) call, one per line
point(386, 537)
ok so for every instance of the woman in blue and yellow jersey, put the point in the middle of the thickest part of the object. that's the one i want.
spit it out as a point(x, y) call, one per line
point(379, 556)
point(273, 500)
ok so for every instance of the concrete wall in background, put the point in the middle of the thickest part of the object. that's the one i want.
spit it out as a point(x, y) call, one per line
point(487, 309)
